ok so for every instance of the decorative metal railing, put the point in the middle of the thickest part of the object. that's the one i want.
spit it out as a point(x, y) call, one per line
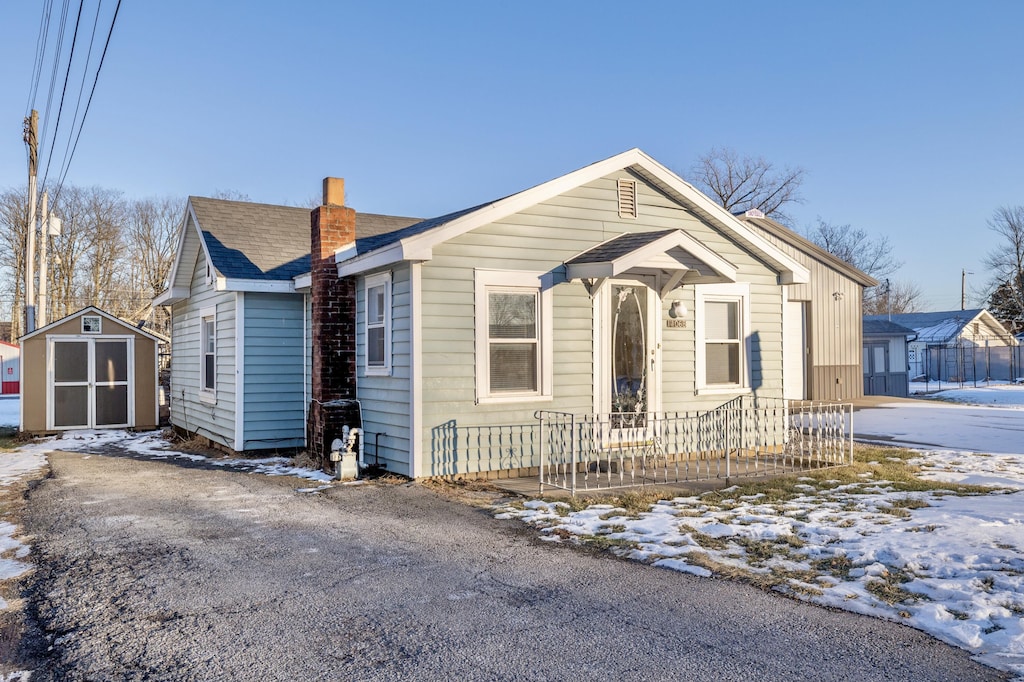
point(745, 437)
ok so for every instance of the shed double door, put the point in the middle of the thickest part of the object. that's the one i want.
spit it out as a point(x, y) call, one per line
point(90, 383)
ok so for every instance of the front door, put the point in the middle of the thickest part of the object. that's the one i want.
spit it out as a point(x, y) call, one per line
point(629, 391)
point(90, 383)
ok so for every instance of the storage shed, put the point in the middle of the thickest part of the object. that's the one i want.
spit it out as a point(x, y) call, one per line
point(10, 368)
point(886, 360)
point(89, 370)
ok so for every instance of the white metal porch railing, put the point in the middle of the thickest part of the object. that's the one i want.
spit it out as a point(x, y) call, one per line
point(744, 437)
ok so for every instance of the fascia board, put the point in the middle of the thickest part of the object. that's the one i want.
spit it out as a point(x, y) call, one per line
point(791, 271)
point(172, 295)
point(590, 270)
point(389, 255)
point(303, 281)
point(255, 285)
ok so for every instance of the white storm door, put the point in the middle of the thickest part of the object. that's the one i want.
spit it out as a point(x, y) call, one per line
point(111, 386)
point(70, 384)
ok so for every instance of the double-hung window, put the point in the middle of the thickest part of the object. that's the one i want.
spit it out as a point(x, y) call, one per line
point(722, 322)
point(208, 352)
point(513, 323)
point(377, 339)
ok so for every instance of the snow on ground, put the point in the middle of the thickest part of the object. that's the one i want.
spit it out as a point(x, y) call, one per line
point(950, 565)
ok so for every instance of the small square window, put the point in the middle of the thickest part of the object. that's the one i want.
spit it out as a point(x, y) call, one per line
point(92, 324)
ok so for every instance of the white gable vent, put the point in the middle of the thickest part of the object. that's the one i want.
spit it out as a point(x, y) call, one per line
point(627, 198)
point(754, 213)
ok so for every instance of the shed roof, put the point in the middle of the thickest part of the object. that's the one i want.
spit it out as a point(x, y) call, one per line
point(942, 326)
point(875, 327)
point(92, 310)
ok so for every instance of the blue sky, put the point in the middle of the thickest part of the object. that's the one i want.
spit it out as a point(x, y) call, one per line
point(906, 115)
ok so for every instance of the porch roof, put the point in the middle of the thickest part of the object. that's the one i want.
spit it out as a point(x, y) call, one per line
point(672, 252)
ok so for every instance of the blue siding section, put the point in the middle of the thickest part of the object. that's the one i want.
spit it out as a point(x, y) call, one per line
point(274, 414)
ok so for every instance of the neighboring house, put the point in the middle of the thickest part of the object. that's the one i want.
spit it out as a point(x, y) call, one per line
point(10, 368)
point(239, 329)
point(825, 312)
point(886, 358)
point(617, 289)
point(957, 345)
point(89, 370)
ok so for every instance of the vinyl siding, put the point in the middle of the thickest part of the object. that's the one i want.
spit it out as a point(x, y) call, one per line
point(214, 421)
point(274, 415)
point(384, 400)
point(834, 326)
point(541, 238)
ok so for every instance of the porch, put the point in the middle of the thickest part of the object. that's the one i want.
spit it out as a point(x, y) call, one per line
point(747, 437)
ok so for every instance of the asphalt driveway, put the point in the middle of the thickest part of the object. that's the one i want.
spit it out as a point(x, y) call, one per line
point(151, 571)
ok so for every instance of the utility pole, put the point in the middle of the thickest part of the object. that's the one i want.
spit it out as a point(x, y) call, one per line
point(963, 288)
point(44, 231)
point(32, 140)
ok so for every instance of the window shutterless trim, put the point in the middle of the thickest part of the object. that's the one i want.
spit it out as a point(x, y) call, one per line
point(493, 281)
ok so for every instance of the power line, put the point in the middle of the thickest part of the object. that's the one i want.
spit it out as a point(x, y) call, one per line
point(37, 67)
point(99, 67)
point(81, 90)
point(64, 91)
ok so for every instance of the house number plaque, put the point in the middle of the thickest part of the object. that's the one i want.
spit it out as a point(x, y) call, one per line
point(675, 324)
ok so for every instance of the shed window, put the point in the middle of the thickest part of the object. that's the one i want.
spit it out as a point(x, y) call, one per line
point(208, 351)
point(92, 324)
point(378, 324)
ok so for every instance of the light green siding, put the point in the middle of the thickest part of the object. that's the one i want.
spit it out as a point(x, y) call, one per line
point(275, 398)
point(384, 400)
point(540, 239)
point(214, 420)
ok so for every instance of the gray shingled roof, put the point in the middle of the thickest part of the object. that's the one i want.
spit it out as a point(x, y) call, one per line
point(937, 327)
point(873, 327)
point(264, 241)
point(618, 247)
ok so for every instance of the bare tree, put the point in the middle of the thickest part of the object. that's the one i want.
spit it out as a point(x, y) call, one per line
point(740, 184)
point(1007, 264)
point(13, 232)
point(893, 297)
point(872, 255)
point(152, 235)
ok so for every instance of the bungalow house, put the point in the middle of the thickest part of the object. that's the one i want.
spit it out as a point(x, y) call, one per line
point(616, 290)
point(239, 326)
point(957, 345)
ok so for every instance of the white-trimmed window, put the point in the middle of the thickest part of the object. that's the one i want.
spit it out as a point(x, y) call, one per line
point(722, 320)
point(377, 330)
point(513, 336)
point(208, 352)
point(92, 324)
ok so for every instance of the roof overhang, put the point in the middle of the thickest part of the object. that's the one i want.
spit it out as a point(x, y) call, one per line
point(419, 247)
point(675, 254)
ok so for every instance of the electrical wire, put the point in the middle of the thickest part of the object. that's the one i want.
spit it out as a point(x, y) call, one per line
point(64, 91)
point(88, 103)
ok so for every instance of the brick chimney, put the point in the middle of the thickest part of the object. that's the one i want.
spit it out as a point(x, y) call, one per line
point(332, 226)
